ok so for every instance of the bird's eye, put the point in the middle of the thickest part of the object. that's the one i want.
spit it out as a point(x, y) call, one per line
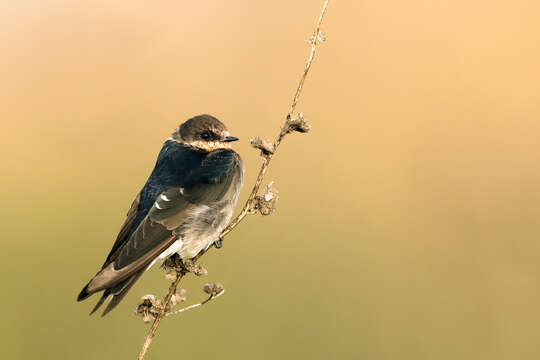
point(206, 135)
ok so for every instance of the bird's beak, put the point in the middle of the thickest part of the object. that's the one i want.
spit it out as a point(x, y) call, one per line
point(230, 138)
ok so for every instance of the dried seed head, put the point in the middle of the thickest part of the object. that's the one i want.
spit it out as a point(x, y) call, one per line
point(266, 202)
point(266, 146)
point(298, 124)
point(199, 270)
point(148, 308)
point(179, 297)
point(171, 265)
point(213, 288)
point(195, 268)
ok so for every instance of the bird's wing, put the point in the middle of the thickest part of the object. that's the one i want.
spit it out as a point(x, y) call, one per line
point(125, 230)
point(174, 162)
point(206, 184)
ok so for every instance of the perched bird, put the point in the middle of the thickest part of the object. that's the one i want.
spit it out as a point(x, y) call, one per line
point(183, 207)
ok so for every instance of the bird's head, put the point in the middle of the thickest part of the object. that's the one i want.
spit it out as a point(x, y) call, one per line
point(204, 132)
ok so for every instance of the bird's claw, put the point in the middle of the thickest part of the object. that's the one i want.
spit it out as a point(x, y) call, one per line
point(218, 243)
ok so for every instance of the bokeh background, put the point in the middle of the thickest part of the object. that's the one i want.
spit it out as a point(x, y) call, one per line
point(408, 223)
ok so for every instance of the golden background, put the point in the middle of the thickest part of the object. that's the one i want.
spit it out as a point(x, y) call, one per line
point(408, 223)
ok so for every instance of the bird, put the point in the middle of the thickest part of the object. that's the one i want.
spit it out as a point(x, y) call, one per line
point(188, 199)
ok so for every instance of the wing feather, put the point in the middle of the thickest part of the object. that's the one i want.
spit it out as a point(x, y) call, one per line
point(125, 230)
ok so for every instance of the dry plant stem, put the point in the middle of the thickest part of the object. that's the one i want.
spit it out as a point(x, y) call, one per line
point(314, 42)
point(267, 158)
point(210, 298)
point(155, 324)
point(249, 203)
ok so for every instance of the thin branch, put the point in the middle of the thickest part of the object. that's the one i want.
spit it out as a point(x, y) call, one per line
point(316, 39)
point(155, 324)
point(287, 127)
point(210, 298)
point(266, 159)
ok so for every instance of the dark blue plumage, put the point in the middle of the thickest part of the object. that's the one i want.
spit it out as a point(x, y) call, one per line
point(175, 165)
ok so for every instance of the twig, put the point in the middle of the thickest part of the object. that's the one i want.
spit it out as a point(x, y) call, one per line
point(266, 159)
point(211, 297)
point(287, 127)
point(155, 324)
point(316, 39)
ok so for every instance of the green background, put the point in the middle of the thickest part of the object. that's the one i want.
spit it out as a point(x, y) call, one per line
point(408, 220)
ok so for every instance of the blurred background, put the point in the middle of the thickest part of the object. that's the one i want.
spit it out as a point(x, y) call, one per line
point(408, 220)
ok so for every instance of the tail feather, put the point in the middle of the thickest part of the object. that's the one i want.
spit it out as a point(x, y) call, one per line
point(84, 294)
point(118, 292)
point(100, 302)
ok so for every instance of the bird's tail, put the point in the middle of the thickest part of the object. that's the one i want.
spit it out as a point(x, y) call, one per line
point(118, 292)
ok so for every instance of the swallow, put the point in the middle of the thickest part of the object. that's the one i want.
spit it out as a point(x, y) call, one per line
point(186, 202)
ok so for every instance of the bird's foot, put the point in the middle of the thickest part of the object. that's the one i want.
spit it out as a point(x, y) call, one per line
point(218, 243)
